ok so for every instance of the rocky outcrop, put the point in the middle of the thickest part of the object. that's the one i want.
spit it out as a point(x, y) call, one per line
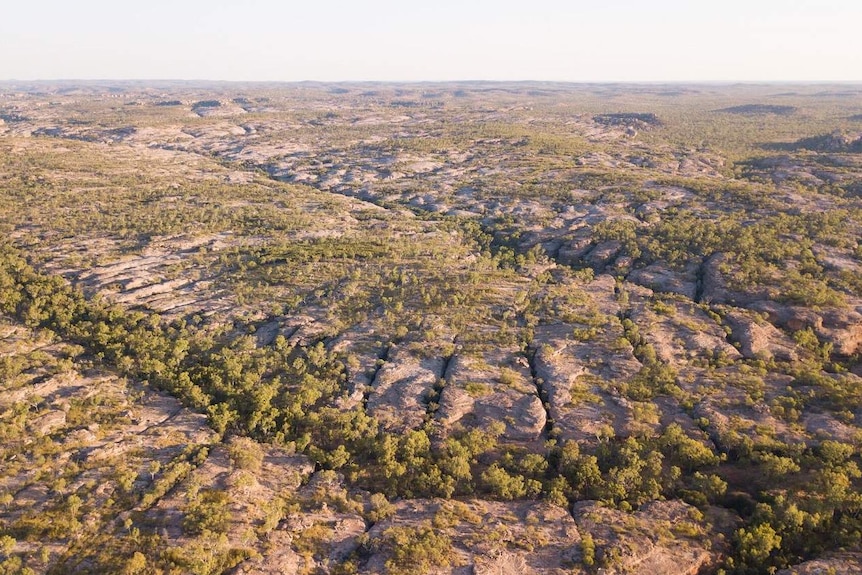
point(578, 378)
point(134, 455)
point(842, 327)
point(678, 330)
point(603, 254)
point(403, 387)
point(572, 251)
point(661, 279)
point(486, 537)
point(715, 289)
point(492, 387)
point(758, 339)
point(641, 547)
point(849, 563)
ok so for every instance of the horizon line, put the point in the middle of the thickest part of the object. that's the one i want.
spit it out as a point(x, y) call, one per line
point(434, 81)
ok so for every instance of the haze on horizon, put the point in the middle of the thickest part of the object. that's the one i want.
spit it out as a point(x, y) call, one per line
point(388, 40)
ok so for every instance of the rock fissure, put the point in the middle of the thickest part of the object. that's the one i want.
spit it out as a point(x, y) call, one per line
point(382, 358)
point(156, 424)
point(700, 278)
point(541, 392)
point(432, 401)
point(636, 340)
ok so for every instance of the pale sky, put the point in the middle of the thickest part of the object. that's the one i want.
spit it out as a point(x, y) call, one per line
point(400, 40)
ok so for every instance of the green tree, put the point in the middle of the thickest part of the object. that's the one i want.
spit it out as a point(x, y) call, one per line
point(755, 544)
point(208, 512)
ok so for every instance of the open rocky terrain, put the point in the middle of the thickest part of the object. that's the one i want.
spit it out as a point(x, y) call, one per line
point(473, 328)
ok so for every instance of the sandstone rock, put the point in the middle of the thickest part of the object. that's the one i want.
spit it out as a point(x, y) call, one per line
point(731, 414)
point(402, 388)
point(759, 339)
point(791, 318)
point(603, 254)
point(602, 290)
point(715, 289)
point(48, 422)
point(843, 328)
point(847, 563)
point(679, 331)
point(574, 375)
point(492, 387)
point(840, 327)
point(455, 403)
point(638, 547)
point(824, 426)
point(517, 537)
point(280, 559)
point(658, 278)
point(571, 252)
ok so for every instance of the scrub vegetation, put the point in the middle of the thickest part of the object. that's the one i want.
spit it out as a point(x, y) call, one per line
point(373, 328)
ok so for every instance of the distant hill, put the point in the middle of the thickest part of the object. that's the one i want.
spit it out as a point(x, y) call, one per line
point(834, 142)
point(752, 109)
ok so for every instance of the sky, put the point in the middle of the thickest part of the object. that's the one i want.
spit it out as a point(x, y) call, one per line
point(400, 40)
